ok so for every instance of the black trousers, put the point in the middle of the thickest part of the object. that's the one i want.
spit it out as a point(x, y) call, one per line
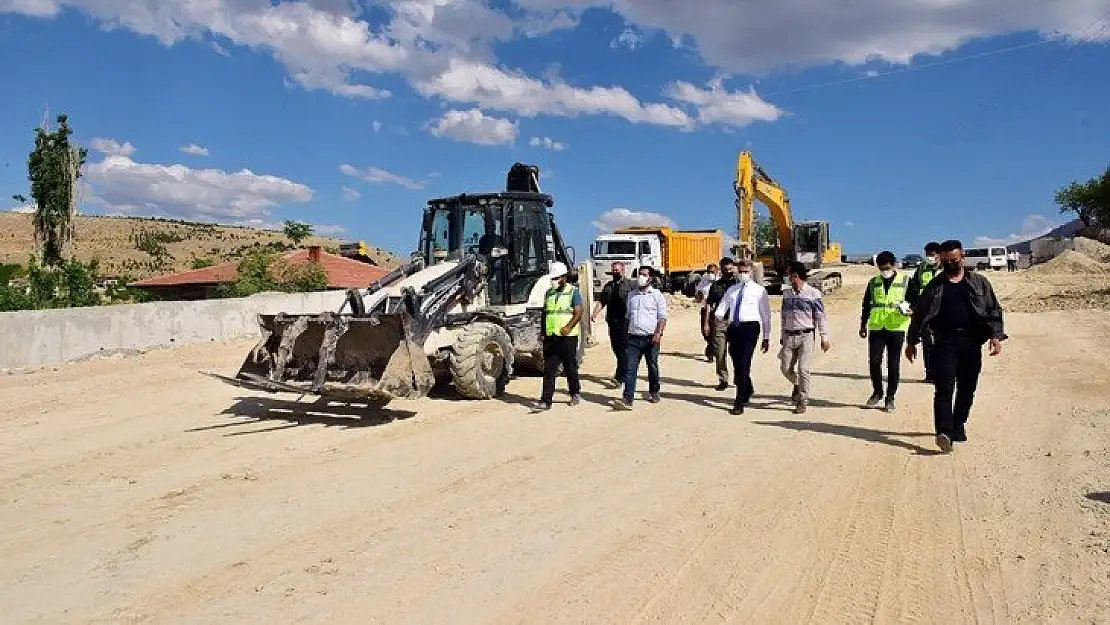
point(560, 350)
point(880, 342)
point(742, 339)
point(618, 341)
point(957, 362)
point(927, 356)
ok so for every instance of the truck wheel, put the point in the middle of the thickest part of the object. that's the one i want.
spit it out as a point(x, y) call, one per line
point(481, 361)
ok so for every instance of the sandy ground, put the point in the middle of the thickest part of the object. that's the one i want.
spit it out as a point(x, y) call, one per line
point(137, 490)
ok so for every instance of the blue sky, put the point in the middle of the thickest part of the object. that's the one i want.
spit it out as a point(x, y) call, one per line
point(895, 120)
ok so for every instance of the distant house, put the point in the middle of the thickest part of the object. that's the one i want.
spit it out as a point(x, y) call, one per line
point(343, 273)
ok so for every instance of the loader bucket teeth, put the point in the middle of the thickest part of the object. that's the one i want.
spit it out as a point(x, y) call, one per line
point(372, 359)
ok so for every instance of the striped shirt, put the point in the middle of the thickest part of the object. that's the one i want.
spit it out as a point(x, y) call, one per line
point(804, 310)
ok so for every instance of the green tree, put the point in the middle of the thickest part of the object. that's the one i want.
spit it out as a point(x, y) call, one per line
point(765, 235)
point(1090, 201)
point(262, 271)
point(53, 168)
point(297, 231)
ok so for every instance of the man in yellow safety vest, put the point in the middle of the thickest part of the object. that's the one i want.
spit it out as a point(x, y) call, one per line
point(884, 322)
point(562, 310)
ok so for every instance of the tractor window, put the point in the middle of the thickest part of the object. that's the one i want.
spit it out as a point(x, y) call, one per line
point(474, 237)
point(437, 240)
point(527, 249)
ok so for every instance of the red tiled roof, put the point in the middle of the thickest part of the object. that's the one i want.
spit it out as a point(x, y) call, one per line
point(343, 273)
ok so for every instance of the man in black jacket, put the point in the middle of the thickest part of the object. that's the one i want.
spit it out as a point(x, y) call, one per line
point(614, 299)
point(962, 313)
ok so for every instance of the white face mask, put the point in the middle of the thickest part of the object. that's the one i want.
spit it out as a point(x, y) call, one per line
point(889, 273)
point(643, 280)
point(932, 260)
point(745, 277)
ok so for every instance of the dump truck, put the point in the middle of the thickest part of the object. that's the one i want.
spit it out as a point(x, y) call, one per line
point(677, 258)
point(466, 309)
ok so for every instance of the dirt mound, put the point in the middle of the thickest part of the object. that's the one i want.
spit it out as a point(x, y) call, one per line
point(681, 301)
point(1071, 262)
point(1092, 248)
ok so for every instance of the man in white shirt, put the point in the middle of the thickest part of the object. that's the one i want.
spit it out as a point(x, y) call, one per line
point(747, 309)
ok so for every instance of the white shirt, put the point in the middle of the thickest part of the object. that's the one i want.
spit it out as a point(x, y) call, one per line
point(754, 306)
point(704, 284)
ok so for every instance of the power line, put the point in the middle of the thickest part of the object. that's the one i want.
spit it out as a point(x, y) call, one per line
point(915, 68)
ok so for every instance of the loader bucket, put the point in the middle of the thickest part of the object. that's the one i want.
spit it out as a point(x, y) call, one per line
point(369, 359)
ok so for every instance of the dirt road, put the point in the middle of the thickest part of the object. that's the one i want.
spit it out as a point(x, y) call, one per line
point(136, 490)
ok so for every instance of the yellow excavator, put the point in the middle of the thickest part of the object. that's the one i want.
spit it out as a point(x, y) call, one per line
point(806, 241)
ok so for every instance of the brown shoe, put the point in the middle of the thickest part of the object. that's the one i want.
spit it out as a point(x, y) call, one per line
point(800, 407)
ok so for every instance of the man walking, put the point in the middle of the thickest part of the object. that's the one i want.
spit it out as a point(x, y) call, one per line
point(744, 310)
point(803, 315)
point(614, 299)
point(717, 330)
point(701, 295)
point(884, 321)
point(924, 274)
point(961, 312)
point(647, 318)
point(562, 310)
point(1011, 260)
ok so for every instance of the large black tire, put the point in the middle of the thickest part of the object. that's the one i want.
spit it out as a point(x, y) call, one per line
point(481, 361)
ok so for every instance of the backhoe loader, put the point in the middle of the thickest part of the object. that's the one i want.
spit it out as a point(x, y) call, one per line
point(806, 242)
point(466, 308)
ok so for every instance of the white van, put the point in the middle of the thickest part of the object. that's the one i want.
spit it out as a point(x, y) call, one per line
point(993, 257)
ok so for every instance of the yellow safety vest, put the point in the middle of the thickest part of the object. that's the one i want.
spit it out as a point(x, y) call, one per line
point(884, 305)
point(558, 311)
point(926, 273)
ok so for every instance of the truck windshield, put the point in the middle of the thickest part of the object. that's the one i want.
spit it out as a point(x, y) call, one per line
point(617, 248)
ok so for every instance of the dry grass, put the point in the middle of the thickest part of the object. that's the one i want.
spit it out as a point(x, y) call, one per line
point(110, 240)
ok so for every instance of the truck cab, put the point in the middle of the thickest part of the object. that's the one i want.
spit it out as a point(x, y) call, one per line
point(634, 250)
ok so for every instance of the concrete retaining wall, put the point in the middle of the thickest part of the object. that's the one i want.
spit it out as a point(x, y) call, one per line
point(45, 337)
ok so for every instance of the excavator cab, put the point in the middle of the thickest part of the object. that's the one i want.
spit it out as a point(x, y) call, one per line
point(812, 246)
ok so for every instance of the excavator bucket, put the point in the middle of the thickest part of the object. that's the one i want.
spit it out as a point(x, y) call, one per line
point(370, 359)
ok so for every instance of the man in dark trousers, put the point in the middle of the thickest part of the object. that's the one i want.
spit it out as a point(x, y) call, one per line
point(562, 310)
point(962, 313)
point(924, 274)
point(717, 330)
point(614, 299)
point(745, 310)
point(884, 320)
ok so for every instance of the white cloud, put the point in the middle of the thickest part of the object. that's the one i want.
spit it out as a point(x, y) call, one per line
point(547, 142)
point(377, 126)
point(751, 36)
point(628, 38)
point(1032, 226)
point(195, 150)
point(377, 175)
point(615, 218)
point(218, 49)
point(473, 126)
point(850, 224)
point(111, 147)
point(717, 105)
point(445, 48)
point(350, 195)
point(25, 209)
point(126, 187)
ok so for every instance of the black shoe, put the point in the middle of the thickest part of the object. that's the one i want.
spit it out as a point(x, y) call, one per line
point(722, 386)
point(960, 435)
point(944, 442)
point(540, 406)
point(653, 398)
point(737, 409)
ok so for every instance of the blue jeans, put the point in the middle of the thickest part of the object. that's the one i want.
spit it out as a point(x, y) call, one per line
point(640, 347)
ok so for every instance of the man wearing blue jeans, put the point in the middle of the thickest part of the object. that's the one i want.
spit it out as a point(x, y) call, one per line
point(647, 317)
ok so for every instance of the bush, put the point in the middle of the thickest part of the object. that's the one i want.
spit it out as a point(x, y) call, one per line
point(71, 284)
point(262, 271)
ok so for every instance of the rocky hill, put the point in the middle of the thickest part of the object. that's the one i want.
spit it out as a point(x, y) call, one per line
point(137, 248)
